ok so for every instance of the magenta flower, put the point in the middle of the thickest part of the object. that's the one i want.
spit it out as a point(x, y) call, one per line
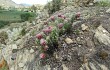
point(50, 27)
point(42, 55)
point(43, 42)
point(78, 14)
point(59, 15)
point(39, 36)
point(52, 18)
point(47, 30)
point(62, 16)
point(60, 25)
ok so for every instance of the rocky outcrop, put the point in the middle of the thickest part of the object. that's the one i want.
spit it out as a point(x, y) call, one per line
point(85, 48)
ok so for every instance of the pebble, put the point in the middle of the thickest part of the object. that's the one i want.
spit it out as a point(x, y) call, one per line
point(91, 4)
point(68, 41)
point(13, 56)
point(108, 11)
point(12, 68)
point(14, 46)
point(84, 27)
point(79, 45)
point(21, 65)
point(31, 51)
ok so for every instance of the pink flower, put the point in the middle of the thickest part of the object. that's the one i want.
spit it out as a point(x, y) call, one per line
point(78, 14)
point(43, 42)
point(60, 25)
point(42, 55)
point(59, 15)
point(62, 16)
point(52, 18)
point(50, 27)
point(47, 30)
point(39, 36)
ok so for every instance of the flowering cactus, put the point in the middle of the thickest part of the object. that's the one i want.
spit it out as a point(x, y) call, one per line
point(42, 55)
point(43, 42)
point(39, 36)
point(78, 14)
point(59, 15)
point(62, 16)
point(60, 25)
point(52, 18)
point(47, 30)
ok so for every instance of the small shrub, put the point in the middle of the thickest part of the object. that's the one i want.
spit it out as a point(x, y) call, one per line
point(104, 3)
point(23, 32)
point(53, 6)
point(54, 36)
point(3, 23)
point(53, 42)
point(3, 37)
point(27, 16)
point(68, 27)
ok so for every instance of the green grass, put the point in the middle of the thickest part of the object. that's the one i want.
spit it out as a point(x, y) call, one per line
point(10, 15)
point(104, 3)
point(7, 17)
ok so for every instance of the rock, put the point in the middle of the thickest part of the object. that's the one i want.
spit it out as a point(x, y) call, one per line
point(11, 68)
point(108, 11)
point(13, 56)
point(102, 35)
point(68, 41)
point(14, 46)
point(31, 51)
point(21, 65)
point(84, 27)
point(64, 67)
point(93, 66)
point(91, 4)
point(90, 43)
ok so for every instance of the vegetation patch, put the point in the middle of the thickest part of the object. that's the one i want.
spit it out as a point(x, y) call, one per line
point(13, 16)
point(104, 3)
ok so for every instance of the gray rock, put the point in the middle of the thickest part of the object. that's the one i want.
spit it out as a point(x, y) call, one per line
point(102, 35)
point(84, 27)
point(108, 11)
point(21, 65)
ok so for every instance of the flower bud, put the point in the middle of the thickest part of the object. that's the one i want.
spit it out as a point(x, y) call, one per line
point(60, 25)
point(39, 36)
point(43, 42)
point(42, 55)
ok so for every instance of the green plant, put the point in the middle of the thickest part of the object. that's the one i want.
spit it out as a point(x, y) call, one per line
point(104, 3)
point(53, 42)
point(68, 27)
point(3, 37)
point(23, 32)
point(27, 16)
point(53, 6)
point(54, 36)
point(3, 23)
point(77, 32)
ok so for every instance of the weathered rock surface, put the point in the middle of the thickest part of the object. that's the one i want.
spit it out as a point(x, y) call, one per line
point(80, 51)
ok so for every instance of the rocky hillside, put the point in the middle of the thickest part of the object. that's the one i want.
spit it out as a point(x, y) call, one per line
point(85, 47)
point(9, 3)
